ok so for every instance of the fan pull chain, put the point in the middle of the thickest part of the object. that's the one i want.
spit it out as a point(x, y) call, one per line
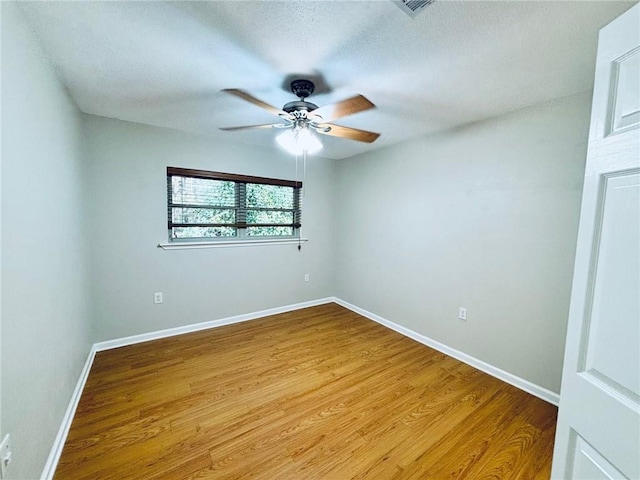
point(299, 229)
point(304, 172)
point(304, 188)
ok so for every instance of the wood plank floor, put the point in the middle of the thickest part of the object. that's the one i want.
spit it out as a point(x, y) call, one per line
point(320, 393)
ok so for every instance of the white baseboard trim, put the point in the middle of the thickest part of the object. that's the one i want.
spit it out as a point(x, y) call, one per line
point(521, 383)
point(63, 431)
point(170, 332)
point(61, 437)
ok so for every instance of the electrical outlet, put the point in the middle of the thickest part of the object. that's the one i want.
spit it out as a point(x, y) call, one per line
point(462, 313)
point(306, 277)
point(157, 297)
point(5, 456)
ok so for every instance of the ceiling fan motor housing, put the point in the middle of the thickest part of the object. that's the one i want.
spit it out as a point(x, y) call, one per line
point(299, 106)
point(301, 89)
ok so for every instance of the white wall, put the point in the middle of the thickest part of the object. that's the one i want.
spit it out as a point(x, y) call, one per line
point(1, 430)
point(126, 181)
point(45, 329)
point(483, 217)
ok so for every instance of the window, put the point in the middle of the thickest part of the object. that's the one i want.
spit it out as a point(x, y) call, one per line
point(203, 205)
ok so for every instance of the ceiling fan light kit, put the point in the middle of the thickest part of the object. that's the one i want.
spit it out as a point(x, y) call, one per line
point(298, 141)
point(302, 118)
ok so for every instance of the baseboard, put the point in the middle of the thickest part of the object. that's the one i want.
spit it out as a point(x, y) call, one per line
point(63, 431)
point(521, 383)
point(56, 450)
point(170, 332)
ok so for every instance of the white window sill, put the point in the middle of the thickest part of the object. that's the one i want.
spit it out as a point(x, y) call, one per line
point(231, 243)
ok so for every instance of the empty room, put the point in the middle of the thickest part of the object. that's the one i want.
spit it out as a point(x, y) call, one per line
point(320, 240)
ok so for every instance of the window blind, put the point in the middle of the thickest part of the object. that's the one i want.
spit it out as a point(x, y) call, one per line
point(204, 204)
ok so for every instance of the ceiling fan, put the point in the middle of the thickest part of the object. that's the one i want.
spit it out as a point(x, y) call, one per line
point(301, 118)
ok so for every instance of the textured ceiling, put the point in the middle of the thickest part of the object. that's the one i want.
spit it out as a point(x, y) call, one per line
point(164, 63)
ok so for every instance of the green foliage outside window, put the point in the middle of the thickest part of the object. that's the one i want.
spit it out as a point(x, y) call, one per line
point(209, 208)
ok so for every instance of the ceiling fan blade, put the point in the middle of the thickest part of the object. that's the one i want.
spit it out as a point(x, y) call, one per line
point(251, 99)
point(352, 105)
point(348, 132)
point(249, 127)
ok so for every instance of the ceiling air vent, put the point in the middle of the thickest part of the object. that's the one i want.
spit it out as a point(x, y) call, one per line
point(412, 7)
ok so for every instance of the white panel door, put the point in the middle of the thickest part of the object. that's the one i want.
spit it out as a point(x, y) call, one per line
point(598, 433)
